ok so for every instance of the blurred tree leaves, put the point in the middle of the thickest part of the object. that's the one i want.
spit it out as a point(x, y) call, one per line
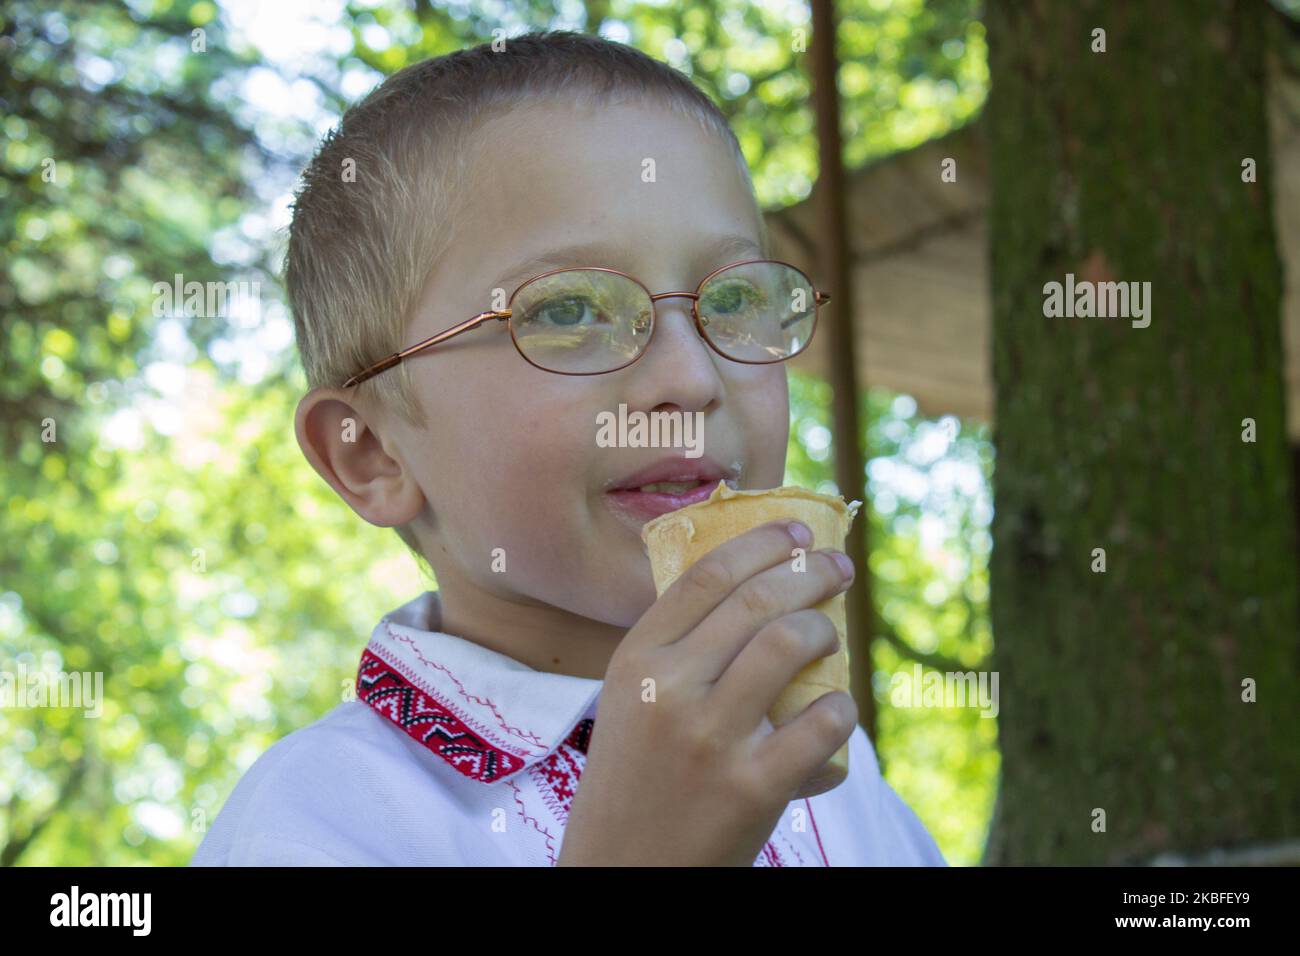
point(931, 504)
point(172, 537)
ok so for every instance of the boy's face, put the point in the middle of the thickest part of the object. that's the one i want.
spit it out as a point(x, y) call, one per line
point(509, 459)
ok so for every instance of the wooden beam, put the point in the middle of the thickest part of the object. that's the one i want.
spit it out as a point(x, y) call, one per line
point(838, 327)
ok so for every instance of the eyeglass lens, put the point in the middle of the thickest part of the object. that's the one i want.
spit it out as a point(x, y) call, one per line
point(585, 321)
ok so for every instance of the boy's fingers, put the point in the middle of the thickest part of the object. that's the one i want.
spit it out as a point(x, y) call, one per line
point(767, 596)
point(789, 755)
point(705, 584)
point(765, 666)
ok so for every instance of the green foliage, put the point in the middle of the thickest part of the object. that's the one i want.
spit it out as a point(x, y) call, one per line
point(911, 70)
point(172, 537)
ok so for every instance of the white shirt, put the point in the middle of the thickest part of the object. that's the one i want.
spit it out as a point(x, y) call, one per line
point(453, 754)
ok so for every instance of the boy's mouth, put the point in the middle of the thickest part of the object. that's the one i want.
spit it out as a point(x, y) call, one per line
point(669, 487)
point(666, 486)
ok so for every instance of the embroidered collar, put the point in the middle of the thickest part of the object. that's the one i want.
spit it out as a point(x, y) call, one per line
point(487, 715)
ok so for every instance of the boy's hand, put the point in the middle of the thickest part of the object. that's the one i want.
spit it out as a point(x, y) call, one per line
point(692, 778)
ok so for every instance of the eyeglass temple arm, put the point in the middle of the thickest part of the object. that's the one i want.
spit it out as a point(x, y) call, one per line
point(385, 364)
point(821, 298)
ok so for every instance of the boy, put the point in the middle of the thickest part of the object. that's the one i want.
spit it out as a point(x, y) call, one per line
point(449, 188)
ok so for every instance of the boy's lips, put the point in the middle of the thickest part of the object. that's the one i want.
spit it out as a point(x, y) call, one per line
point(666, 486)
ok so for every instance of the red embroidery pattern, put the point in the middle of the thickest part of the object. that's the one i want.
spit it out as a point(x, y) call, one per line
point(523, 813)
point(426, 720)
point(519, 732)
point(561, 771)
point(423, 719)
point(793, 847)
point(816, 832)
point(769, 856)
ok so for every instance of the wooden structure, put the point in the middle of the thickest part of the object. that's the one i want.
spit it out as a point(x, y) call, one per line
point(920, 270)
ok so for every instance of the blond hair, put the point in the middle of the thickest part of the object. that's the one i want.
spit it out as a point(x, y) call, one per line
point(378, 203)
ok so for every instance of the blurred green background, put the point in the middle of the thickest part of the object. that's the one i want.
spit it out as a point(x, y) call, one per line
point(173, 537)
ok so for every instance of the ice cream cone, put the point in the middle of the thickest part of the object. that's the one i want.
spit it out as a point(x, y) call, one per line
point(677, 540)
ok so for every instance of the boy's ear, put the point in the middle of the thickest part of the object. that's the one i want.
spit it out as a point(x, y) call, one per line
point(345, 450)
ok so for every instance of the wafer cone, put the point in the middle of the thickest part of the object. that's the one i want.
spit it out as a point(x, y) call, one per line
point(677, 540)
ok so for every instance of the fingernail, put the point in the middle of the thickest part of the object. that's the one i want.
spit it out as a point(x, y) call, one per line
point(846, 566)
point(802, 536)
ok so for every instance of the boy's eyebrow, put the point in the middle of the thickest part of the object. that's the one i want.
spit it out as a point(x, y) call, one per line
point(719, 250)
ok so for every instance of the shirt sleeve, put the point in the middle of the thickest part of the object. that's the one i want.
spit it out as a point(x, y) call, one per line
point(347, 792)
point(289, 809)
point(281, 851)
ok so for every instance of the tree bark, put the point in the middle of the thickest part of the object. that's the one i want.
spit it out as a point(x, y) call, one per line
point(1122, 691)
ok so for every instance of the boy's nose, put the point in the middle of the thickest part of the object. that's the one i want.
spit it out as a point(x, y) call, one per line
point(678, 366)
point(641, 323)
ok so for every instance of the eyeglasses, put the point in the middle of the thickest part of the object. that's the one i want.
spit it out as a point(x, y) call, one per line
point(590, 321)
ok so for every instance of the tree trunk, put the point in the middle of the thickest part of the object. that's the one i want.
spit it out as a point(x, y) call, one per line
point(1122, 690)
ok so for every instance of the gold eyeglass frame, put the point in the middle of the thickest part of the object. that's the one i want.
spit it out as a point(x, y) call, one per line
point(503, 315)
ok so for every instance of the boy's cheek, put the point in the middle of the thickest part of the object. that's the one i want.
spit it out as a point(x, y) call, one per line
point(547, 541)
point(761, 403)
point(566, 564)
point(528, 489)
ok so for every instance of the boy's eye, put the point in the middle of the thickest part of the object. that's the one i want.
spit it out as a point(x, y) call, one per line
point(729, 298)
point(566, 310)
